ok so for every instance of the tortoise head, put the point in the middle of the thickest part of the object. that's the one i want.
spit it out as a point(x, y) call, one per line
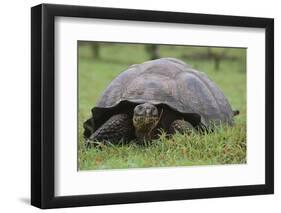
point(145, 117)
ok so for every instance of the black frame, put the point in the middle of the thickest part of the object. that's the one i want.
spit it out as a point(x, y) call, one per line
point(42, 105)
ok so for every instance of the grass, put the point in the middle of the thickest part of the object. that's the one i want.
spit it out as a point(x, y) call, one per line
point(227, 145)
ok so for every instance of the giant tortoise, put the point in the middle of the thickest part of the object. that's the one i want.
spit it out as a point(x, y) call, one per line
point(163, 94)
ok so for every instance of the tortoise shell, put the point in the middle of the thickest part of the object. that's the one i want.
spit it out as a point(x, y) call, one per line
point(170, 82)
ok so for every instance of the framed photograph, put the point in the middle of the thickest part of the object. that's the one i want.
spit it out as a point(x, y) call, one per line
point(139, 106)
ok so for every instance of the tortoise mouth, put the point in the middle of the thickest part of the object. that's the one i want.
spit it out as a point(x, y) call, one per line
point(144, 122)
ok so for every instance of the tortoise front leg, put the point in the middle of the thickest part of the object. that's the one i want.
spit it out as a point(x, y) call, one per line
point(116, 128)
point(88, 128)
point(181, 126)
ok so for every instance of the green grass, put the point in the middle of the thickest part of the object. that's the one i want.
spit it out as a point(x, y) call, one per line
point(227, 145)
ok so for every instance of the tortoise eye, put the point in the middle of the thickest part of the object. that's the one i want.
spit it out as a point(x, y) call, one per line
point(138, 109)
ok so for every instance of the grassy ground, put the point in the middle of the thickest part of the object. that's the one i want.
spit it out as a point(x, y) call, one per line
point(225, 146)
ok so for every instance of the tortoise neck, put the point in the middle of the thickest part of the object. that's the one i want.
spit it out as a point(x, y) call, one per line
point(141, 136)
point(148, 131)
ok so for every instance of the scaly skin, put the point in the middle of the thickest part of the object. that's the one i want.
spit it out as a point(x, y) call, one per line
point(181, 126)
point(144, 126)
point(114, 129)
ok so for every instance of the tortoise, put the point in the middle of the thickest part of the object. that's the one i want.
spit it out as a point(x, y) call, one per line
point(162, 94)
